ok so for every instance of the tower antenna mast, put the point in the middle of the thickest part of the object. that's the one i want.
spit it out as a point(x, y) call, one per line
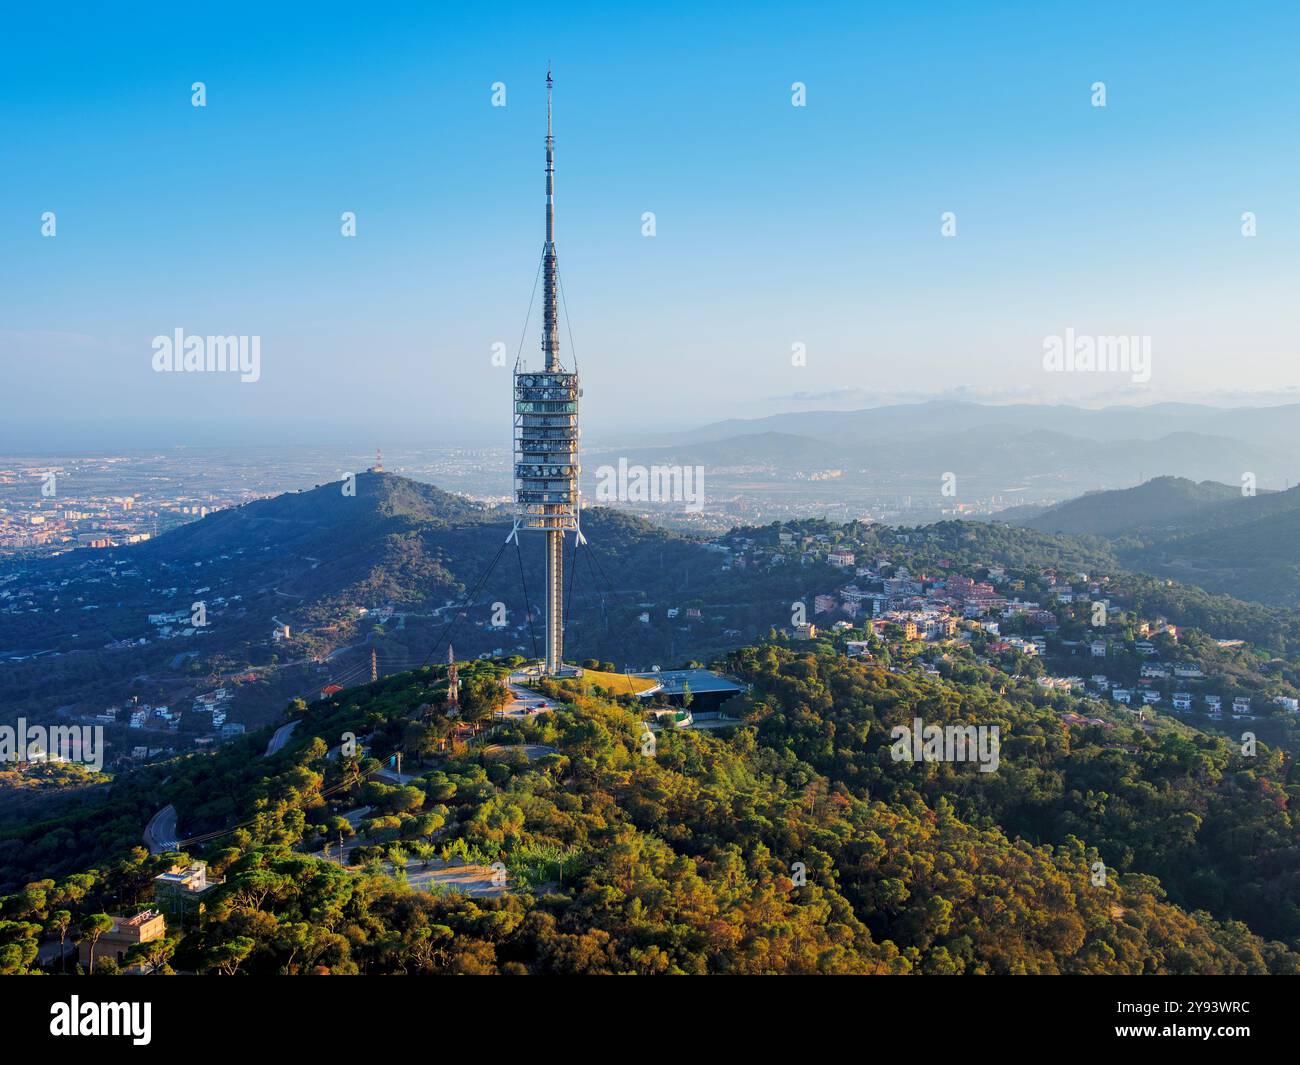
point(550, 264)
point(546, 432)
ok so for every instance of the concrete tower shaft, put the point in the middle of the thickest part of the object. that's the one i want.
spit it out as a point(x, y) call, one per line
point(546, 432)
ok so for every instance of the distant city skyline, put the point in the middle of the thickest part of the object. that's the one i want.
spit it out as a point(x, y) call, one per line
point(776, 226)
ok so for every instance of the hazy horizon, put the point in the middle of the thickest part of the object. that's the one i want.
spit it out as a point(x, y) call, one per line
point(778, 228)
point(20, 439)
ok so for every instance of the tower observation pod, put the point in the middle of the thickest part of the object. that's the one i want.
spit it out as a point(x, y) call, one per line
point(546, 434)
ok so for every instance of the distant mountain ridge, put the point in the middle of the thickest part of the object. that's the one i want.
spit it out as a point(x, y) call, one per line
point(1022, 442)
point(383, 538)
point(1207, 534)
point(1272, 426)
point(987, 452)
point(1158, 503)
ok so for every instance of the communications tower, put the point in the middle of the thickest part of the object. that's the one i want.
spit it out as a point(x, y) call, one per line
point(453, 684)
point(546, 433)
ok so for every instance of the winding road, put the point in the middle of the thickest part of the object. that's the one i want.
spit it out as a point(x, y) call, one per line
point(160, 832)
point(280, 737)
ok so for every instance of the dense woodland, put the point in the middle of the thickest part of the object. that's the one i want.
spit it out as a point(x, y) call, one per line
point(792, 842)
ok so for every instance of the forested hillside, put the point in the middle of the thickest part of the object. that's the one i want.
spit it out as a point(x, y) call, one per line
point(1157, 504)
point(791, 843)
point(315, 560)
point(1208, 535)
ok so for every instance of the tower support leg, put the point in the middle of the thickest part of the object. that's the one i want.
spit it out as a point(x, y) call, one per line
point(554, 600)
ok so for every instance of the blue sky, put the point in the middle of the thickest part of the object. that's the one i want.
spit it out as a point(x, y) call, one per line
point(776, 225)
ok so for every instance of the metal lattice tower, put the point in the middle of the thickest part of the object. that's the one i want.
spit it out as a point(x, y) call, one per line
point(546, 433)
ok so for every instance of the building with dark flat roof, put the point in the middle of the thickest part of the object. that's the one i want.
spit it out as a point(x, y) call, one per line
point(709, 690)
